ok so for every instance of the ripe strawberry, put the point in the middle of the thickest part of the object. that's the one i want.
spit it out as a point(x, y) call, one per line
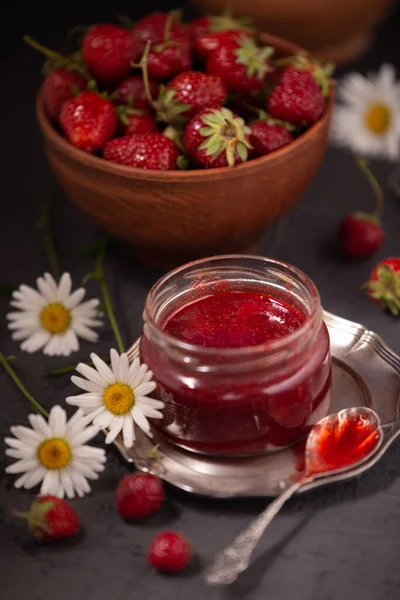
point(188, 93)
point(138, 122)
point(217, 138)
point(139, 495)
point(296, 99)
point(266, 137)
point(169, 59)
point(169, 551)
point(131, 91)
point(88, 121)
point(50, 518)
point(360, 233)
point(206, 43)
point(147, 151)
point(109, 50)
point(153, 28)
point(198, 27)
point(383, 285)
point(58, 87)
point(242, 65)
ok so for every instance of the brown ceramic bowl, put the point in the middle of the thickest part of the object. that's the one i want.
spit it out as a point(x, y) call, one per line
point(171, 217)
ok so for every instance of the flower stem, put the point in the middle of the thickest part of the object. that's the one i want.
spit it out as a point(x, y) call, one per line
point(18, 382)
point(106, 295)
point(44, 225)
point(72, 368)
point(372, 180)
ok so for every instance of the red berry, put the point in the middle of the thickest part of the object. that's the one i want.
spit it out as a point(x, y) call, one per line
point(198, 27)
point(383, 285)
point(242, 65)
point(296, 99)
point(50, 518)
point(166, 60)
point(266, 137)
point(206, 43)
point(131, 91)
point(139, 123)
point(139, 495)
point(58, 87)
point(146, 151)
point(217, 138)
point(109, 51)
point(152, 28)
point(360, 235)
point(169, 551)
point(88, 121)
point(196, 91)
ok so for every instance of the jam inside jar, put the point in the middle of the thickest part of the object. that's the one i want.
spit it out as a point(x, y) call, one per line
point(240, 353)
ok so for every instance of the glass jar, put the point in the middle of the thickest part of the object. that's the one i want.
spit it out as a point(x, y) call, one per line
point(245, 400)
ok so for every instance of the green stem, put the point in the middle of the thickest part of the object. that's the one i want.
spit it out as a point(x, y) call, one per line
point(72, 368)
point(143, 66)
point(64, 61)
point(106, 296)
point(18, 382)
point(167, 27)
point(44, 225)
point(19, 514)
point(372, 180)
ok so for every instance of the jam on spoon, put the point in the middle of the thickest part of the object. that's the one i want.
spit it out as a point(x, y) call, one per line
point(337, 443)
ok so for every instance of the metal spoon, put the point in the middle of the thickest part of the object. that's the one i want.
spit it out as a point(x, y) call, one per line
point(236, 557)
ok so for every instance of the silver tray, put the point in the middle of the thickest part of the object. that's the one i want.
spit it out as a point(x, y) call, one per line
point(365, 373)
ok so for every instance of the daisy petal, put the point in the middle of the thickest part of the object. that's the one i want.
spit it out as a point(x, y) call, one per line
point(58, 421)
point(74, 299)
point(127, 431)
point(36, 341)
point(66, 482)
point(140, 420)
point(40, 425)
point(91, 374)
point(64, 287)
point(103, 369)
point(23, 465)
point(84, 384)
point(83, 436)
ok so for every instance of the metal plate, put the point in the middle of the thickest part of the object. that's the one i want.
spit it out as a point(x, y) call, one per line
point(365, 372)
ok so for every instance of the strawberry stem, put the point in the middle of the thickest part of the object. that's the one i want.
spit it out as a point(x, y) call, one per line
point(143, 66)
point(167, 27)
point(372, 180)
point(64, 61)
point(19, 514)
point(20, 385)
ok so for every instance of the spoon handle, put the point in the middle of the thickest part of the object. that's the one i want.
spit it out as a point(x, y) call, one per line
point(236, 557)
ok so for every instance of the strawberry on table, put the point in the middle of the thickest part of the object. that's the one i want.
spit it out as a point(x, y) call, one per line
point(297, 98)
point(383, 285)
point(242, 65)
point(50, 519)
point(217, 138)
point(169, 551)
point(59, 85)
point(88, 121)
point(131, 91)
point(151, 151)
point(108, 51)
point(267, 136)
point(139, 495)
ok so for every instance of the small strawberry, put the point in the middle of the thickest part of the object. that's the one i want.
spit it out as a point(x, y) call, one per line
point(169, 551)
point(383, 285)
point(108, 51)
point(152, 28)
point(131, 91)
point(206, 43)
point(361, 234)
point(139, 495)
point(168, 59)
point(137, 121)
point(50, 518)
point(88, 121)
point(242, 65)
point(147, 151)
point(267, 136)
point(217, 23)
point(59, 86)
point(297, 98)
point(217, 138)
point(188, 93)
point(302, 61)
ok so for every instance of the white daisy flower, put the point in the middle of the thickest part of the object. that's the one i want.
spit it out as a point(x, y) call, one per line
point(117, 396)
point(368, 118)
point(55, 453)
point(51, 317)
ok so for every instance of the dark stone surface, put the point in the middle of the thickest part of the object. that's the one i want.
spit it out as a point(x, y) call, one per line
point(341, 542)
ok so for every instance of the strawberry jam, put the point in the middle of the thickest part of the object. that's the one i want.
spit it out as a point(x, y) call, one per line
point(242, 363)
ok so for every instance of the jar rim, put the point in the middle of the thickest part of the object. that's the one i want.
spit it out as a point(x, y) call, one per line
point(272, 346)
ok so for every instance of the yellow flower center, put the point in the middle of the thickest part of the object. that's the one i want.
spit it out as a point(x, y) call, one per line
point(54, 453)
point(377, 118)
point(55, 318)
point(119, 398)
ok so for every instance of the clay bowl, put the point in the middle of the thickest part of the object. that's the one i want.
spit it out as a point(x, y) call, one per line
point(171, 217)
point(332, 30)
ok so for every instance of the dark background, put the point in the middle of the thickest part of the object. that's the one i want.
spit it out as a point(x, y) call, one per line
point(341, 542)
